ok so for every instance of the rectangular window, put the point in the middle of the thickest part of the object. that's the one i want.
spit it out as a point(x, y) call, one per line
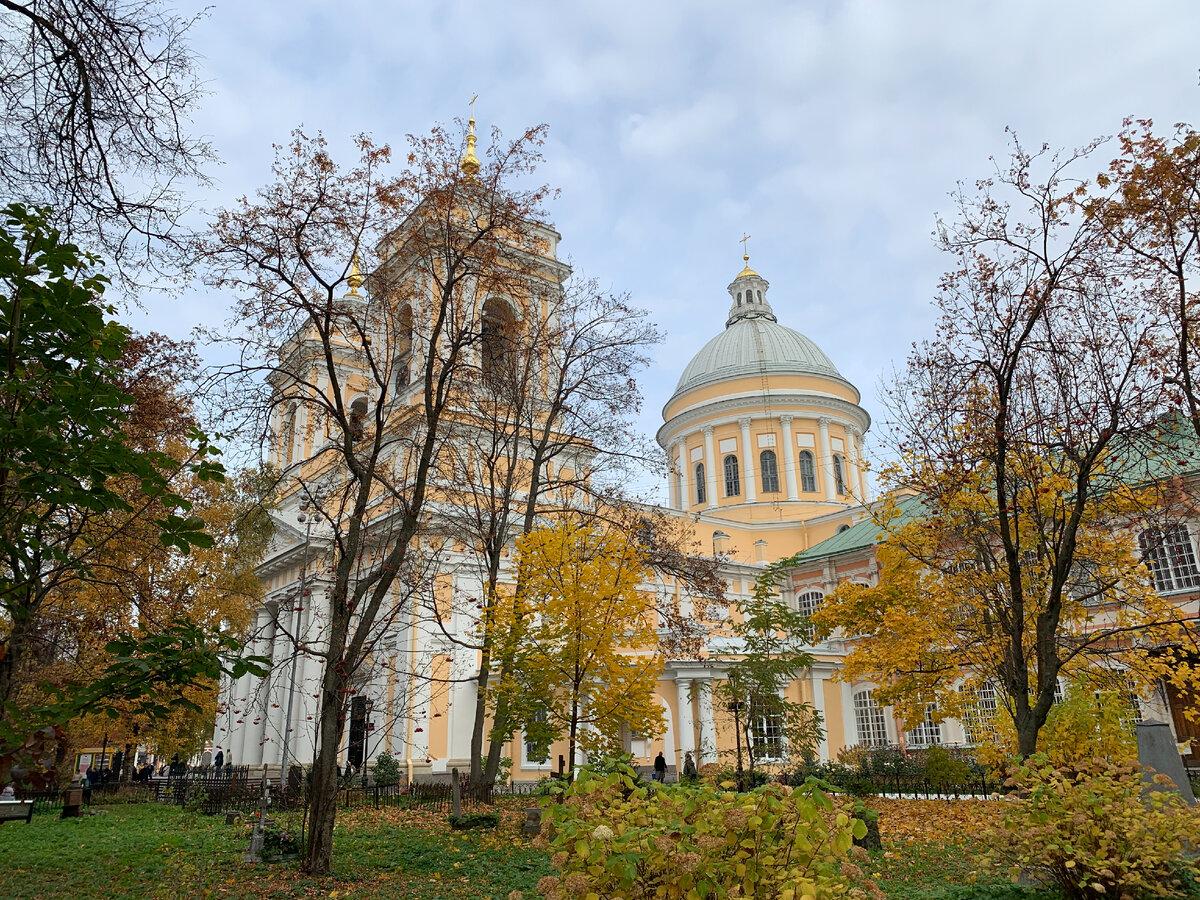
point(535, 755)
point(979, 716)
point(767, 734)
point(1169, 554)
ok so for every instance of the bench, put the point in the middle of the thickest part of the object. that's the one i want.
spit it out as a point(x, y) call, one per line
point(15, 810)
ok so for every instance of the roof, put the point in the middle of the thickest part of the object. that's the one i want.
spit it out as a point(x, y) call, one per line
point(866, 533)
point(755, 346)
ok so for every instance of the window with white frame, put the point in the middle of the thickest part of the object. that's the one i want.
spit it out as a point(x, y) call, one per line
point(767, 731)
point(870, 720)
point(536, 755)
point(700, 489)
point(809, 602)
point(979, 714)
point(927, 734)
point(1171, 558)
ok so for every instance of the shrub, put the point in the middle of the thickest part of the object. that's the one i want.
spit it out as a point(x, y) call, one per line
point(615, 838)
point(944, 770)
point(387, 770)
point(475, 820)
point(1096, 833)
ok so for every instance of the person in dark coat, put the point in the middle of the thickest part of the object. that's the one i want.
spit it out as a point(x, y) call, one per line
point(219, 760)
point(660, 768)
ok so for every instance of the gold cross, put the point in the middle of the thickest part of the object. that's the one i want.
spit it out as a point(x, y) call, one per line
point(471, 103)
point(745, 250)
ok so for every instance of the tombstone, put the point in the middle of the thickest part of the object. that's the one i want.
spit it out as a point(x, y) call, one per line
point(532, 826)
point(73, 798)
point(1157, 750)
point(455, 794)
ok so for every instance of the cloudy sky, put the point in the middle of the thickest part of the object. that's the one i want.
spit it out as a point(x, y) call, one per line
point(831, 132)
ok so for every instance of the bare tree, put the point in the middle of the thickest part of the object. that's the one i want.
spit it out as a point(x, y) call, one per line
point(95, 101)
point(554, 432)
point(357, 393)
point(1029, 425)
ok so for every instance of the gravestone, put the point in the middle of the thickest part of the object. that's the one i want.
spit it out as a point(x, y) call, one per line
point(1157, 750)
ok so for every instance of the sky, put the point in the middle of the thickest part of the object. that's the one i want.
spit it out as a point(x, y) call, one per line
point(832, 133)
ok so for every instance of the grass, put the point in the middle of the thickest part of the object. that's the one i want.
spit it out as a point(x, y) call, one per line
point(149, 850)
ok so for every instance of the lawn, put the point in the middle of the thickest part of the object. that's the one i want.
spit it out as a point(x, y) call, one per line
point(149, 850)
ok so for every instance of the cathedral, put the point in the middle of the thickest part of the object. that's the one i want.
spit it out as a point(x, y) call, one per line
point(765, 443)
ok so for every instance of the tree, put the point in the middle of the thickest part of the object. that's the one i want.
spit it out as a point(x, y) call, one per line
point(65, 459)
point(554, 431)
point(589, 657)
point(1150, 213)
point(355, 394)
point(95, 98)
point(1030, 427)
point(770, 652)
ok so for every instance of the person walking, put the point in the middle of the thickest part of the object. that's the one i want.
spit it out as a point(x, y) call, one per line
point(660, 768)
point(689, 767)
point(219, 760)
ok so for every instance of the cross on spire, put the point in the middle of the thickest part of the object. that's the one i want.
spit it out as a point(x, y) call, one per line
point(745, 239)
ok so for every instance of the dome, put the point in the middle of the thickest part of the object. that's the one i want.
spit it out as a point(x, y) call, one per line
point(755, 346)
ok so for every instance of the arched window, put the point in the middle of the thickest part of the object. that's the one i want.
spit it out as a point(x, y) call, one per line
point(808, 472)
point(700, 490)
point(839, 479)
point(733, 486)
point(809, 602)
point(769, 467)
point(403, 348)
point(842, 528)
point(739, 298)
point(928, 733)
point(868, 716)
point(1169, 555)
point(759, 296)
point(498, 327)
point(358, 418)
point(979, 714)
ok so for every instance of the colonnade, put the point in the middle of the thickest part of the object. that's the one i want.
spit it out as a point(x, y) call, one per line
point(682, 485)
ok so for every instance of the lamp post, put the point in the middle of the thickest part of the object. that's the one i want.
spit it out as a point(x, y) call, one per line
point(297, 609)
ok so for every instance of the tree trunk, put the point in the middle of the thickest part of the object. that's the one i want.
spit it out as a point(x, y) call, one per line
point(478, 770)
point(571, 742)
point(322, 796)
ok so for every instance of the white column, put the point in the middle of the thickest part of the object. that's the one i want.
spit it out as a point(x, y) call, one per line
point(849, 723)
point(672, 481)
point(789, 457)
point(860, 469)
point(708, 725)
point(685, 499)
point(748, 460)
point(274, 703)
point(818, 690)
point(685, 726)
point(852, 438)
point(258, 700)
point(826, 458)
point(710, 466)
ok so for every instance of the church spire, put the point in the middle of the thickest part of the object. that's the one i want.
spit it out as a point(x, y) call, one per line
point(469, 162)
point(746, 270)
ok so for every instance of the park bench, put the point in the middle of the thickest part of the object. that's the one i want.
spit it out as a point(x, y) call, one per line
point(15, 810)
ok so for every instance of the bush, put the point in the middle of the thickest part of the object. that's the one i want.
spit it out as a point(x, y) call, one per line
point(475, 820)
point(1096, 833)
point(944, 770)
point(386, 770)
point(614, 838)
